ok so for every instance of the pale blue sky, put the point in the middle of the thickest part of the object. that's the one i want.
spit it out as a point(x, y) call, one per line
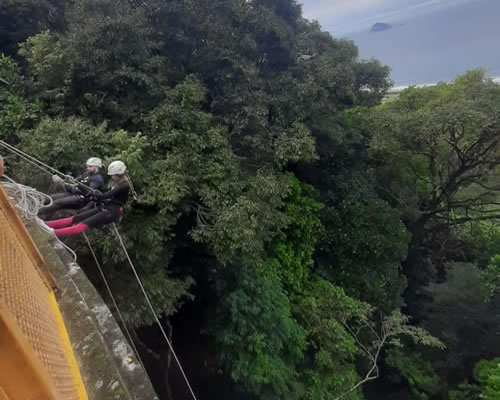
point(431, 40)
point(343, 17)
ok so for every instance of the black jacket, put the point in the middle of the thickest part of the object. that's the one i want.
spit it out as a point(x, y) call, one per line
point(93, 181)
point(117, 196)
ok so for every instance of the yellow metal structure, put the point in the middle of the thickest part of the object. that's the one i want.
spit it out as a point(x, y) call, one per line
point(36, 359)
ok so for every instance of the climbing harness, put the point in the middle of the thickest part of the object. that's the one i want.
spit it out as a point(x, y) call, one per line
point(132, 188)
point(34, 203)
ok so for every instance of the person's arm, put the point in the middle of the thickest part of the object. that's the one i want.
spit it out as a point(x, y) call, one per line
point(93, 185)
point(75, 188)
point(120, 188)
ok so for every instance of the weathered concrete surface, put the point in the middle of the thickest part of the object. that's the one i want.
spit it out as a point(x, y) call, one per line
point(107, 364)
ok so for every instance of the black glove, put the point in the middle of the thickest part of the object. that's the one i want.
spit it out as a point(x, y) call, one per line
point(97, 194)
point(94, 195)
point(75, 190)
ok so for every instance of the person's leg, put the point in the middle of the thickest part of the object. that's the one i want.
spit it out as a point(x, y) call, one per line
point(71, 230)
point(95, 218)
point(60, 223)
point(64, 222)
point(84, 215)
point(103, 217)
point(56, 196)
point(73, 202)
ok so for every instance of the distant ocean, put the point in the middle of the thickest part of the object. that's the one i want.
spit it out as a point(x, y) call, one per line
point(438, 46)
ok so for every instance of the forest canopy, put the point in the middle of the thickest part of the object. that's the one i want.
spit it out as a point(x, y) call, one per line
point(301, 237)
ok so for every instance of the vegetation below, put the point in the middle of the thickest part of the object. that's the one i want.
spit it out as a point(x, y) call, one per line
point(300, 239)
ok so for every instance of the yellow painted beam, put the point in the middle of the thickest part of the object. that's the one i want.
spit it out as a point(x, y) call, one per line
point(22, 376)
point(80, 388)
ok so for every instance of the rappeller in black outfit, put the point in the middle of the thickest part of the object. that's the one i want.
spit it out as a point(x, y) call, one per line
point(73, 196)
point(109, 205)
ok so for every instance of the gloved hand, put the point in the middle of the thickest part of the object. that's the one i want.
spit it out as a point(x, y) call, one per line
point(57, 179)
point(75, 189)
point(97, 194)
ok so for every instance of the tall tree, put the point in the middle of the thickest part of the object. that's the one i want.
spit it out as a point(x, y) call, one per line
point(440, 148)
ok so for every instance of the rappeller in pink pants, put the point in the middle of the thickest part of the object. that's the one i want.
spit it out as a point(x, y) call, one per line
point(109, 206)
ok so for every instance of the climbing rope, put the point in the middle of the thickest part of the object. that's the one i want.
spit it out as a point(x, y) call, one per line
point(155, 315)
point(29, 201)
point(50, 170)
point(35, 162)
point(108, 288)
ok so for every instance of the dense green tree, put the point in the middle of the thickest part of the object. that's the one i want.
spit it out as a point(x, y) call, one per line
point(416, 370)
point(465, 322)
point(365, 243)
point(281, 212)
point(24, 18)
point(440, 147)
point(487, 373)
point(486, 385)
point(16, 111)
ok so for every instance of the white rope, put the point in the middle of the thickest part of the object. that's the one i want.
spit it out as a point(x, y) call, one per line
point(48, 169)
point(154, 312)
point(34, 161)
point(29, 201)
point(127, 332)
point(40, 164)
point(26, 199)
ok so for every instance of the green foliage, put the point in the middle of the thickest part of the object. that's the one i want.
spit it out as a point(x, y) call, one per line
point(16, 112)
point(213, 104)
point(440, 153)
point(459, 297)
point(329, 368)
point(24, 18)
point(50, 67)
point(100, 68)
point(490, 276)
point(486, 386)
point(416, 370)
point(455, 313)
point(487, 373)
point(435, 155)
point(487, 241)
point(236, 214)
point(260, 340)
point(294, 247)
point(67, 143)
point(364, 246)
point(465, 391)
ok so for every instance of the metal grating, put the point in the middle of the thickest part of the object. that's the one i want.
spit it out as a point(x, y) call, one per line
point(26, 296)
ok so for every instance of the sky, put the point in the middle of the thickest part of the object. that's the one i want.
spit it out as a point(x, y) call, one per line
point(431, 40)
point(344, 17)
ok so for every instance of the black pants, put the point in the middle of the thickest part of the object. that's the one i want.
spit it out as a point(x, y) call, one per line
point(63, 201)
point(96, 217)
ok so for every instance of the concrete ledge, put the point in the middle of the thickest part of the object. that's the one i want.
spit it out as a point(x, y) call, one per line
point(107, 363)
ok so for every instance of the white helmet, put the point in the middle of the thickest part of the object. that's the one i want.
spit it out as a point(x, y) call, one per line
point(117, 168)
point(94, 162)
